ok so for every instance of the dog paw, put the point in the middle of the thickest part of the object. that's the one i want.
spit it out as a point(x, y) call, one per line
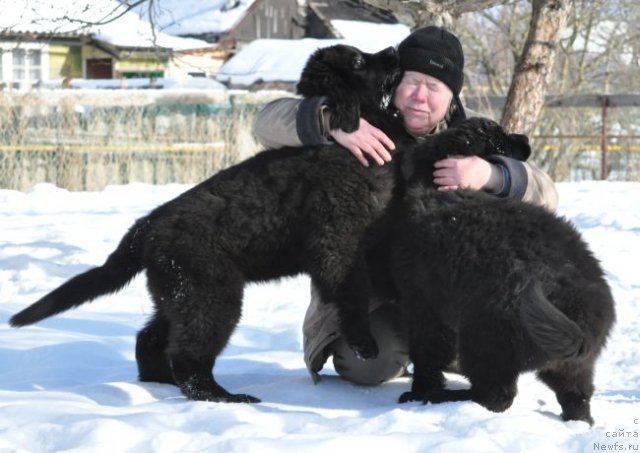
point(579, 412)
point(407, 397)
point(345, 117)
point(213, 393)
point(241, 398)
point(367, 350)
point(230, 398)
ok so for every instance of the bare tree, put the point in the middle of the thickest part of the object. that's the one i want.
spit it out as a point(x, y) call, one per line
point(493, 41)
point(528, 87)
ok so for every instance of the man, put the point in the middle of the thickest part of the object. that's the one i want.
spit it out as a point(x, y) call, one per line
point(427, 96)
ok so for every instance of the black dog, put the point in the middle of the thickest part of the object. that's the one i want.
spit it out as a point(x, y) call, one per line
point(279, 213)
point(503, 285)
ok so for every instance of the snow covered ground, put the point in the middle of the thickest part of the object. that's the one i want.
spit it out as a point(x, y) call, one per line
point(69, 383)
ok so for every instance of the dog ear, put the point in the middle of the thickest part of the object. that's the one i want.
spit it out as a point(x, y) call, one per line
point(316, 76)
point(519, 147)
point(324, 76)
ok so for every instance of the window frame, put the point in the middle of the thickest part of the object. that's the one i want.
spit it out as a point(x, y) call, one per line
point(7, 66)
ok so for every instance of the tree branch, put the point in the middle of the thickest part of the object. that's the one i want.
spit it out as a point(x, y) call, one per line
point(109, 17)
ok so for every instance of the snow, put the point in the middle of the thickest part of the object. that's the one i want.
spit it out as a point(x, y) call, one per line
point(189, 83)
point(180, 17)
point(270, 60)
point(64, 16)
point(370, 35)
point(69, 383)
point(282, 60)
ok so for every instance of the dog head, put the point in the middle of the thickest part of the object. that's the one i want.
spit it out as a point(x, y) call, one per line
point(472, 137)
point(483, 137)
point(356, 83)
point(477, 137)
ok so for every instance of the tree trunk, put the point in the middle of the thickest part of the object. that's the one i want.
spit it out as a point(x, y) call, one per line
point(528, 87)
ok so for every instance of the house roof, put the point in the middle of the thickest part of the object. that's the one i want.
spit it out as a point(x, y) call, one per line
point(118, 26)
point(196, 17)
point(351, 10)
point(282, 60)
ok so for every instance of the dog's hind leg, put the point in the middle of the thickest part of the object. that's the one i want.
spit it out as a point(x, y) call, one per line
point(497, 395)
point(490, 357)
point(151, 345)
point(202, 304)
point(572, 381)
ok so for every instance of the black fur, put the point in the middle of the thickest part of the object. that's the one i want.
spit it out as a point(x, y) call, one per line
point(502, 285)
point(279, 213)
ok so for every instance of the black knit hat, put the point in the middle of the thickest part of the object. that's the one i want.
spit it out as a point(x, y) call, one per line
point(436, 52)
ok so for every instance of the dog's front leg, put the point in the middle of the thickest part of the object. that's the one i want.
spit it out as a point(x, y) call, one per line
point(345, 112)
point(358, 336)
point(352, 297)
point(201, 306)
point(354, 312)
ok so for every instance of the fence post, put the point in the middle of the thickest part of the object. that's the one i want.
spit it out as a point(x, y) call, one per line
point(603, 138)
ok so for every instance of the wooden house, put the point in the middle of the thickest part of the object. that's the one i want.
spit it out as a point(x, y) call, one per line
point(321, 14)
point(231, 23)
point(46, 45)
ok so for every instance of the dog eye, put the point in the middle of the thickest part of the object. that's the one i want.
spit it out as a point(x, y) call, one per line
point(358, 62)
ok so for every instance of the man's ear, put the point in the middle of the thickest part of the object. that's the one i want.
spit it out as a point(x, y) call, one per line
point(519, 146)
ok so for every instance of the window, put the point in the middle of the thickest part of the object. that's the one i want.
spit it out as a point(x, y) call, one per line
point(27, 65)
point(34, 63)
point(23, 65)
point(19, 64)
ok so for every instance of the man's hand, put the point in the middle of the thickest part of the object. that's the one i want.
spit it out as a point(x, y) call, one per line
point(466, 172)
point(366, 140)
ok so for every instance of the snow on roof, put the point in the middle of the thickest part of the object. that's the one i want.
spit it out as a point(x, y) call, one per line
point(378, 35)
point(75, 17)
point(281, 60)
point(190, 83)
point(181, 17)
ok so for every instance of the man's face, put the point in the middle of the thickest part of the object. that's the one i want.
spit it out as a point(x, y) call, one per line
point(423, 101)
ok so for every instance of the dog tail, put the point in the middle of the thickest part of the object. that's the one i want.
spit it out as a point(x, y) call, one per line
point(124, 263)
point(549, 328)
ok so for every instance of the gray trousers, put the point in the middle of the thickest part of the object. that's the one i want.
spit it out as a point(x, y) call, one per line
point(393, 356)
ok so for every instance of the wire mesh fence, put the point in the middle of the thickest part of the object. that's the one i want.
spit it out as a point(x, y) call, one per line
point(85, 140)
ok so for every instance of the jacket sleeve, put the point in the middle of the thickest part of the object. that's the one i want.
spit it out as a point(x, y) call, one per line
point(291, 122)
point(525, 181)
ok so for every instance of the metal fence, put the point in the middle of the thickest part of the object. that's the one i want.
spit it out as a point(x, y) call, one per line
point(85, 140)
point(583, 136)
